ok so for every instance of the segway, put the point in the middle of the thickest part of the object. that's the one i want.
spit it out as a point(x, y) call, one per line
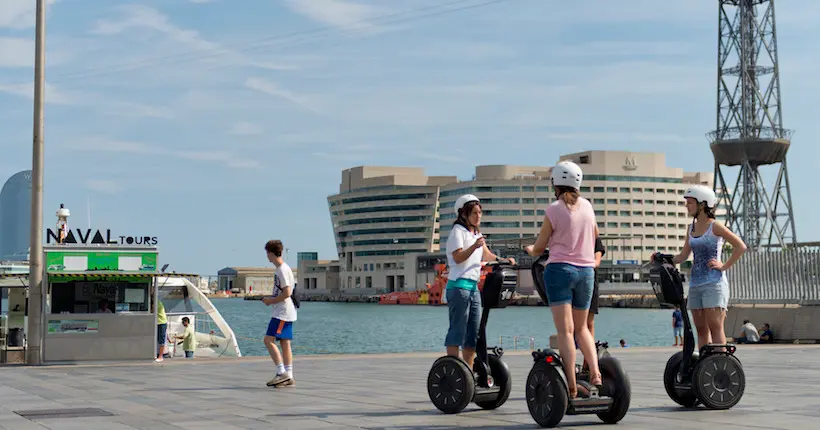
point(547, 390)
point(713, 376)
point(451, 384)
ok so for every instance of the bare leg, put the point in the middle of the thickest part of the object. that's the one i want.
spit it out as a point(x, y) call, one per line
point(564, 326)
point(452, 350)
point(714, 320)
point(469, 356)
point(591, 326)
point(270, 342)
point(587, 344)
point(704, 335)
point(287, 354)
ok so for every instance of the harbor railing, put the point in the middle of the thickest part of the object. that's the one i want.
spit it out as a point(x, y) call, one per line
point(516, 341)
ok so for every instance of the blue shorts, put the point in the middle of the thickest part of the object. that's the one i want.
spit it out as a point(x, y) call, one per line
point(280, 329)
point(464, 307)
point(678, 331)
point(162, 334)
point(714, 295)
point(566, 283)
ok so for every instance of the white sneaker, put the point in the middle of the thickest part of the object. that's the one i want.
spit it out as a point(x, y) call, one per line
point(278, 379)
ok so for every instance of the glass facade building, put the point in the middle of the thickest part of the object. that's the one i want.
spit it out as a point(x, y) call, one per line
point(15, 217)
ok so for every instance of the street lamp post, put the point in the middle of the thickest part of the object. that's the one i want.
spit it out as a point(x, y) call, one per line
point(34, 350)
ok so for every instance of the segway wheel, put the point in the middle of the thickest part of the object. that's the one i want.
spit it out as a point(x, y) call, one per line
point(617, 386)
point(501, 378)
point(719, 381)
point(450, 385)
point(685, 398)
point(547, 395)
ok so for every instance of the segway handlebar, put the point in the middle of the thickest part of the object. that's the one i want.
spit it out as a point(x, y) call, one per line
point(500, 262)
point(663, 258)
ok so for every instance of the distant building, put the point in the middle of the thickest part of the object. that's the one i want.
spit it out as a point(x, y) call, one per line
point(15, 217)
point(389, 221)
point(306, 256)
point(248, 280)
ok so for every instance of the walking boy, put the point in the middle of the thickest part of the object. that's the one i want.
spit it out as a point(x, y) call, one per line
point(283, 314)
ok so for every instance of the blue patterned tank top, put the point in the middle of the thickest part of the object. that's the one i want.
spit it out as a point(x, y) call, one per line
point(705, 247)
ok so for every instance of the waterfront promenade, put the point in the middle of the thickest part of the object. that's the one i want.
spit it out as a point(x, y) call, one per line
point(373, 392)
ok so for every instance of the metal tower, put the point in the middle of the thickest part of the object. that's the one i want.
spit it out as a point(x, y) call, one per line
point(750, 131)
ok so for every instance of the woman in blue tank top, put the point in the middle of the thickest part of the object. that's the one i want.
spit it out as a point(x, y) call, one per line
point(708, 288)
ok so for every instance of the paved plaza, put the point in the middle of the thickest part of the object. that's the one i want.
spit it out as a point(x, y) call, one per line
point(372, 392)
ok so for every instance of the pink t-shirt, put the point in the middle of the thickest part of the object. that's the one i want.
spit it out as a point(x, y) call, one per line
point(573, 233)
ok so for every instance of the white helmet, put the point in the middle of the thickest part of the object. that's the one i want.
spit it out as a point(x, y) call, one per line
point(463, 200)
point(701, 194)
point(567, 174)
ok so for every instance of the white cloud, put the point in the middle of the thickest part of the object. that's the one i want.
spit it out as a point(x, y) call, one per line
point(138, 18)
point(244, 128)
point(270, 88)
point(105, 186)
point(101, 104)
point(16, 52)
point(99, 144)
point(340, 13)
point(20, 14)
point(52, 95)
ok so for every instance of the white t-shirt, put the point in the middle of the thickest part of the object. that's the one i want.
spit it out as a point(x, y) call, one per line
point(470, 268)
point(751, 332)
point(282, 278)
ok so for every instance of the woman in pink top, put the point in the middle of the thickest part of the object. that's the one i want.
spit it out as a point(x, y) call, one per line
point(570, 231)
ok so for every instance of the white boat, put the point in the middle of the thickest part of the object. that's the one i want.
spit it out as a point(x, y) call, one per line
point(181, 298)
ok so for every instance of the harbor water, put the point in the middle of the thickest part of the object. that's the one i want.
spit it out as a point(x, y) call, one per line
point(355, 328)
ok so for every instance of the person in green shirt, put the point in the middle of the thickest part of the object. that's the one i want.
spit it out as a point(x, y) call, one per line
point(188, 338)
point(162, 330)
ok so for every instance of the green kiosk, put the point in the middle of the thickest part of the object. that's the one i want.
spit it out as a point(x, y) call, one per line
point(100, 302)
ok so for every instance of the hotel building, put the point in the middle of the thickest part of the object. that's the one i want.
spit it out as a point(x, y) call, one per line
point(387, 221)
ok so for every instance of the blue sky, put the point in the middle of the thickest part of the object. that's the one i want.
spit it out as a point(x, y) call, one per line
point(216, 127)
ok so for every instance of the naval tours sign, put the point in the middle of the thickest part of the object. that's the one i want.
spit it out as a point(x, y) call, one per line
point(97, 237)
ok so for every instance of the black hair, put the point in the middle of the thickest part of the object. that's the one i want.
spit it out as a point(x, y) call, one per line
point(186, 319)
point(464, 212)
point(710, 213)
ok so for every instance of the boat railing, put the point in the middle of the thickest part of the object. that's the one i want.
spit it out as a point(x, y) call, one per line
point(202, 322)
point(516, 340)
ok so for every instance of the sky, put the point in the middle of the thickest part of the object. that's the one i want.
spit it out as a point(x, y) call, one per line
point(216, 127)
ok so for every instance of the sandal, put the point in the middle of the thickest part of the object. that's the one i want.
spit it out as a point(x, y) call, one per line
point(596, 380)
point(586, 390)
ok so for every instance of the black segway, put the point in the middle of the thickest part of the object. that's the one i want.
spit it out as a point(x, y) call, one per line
point(547, 390)
point(451, 384)
point(713, 376)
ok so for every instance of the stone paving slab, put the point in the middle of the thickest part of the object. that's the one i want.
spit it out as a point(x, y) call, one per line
point(378, 392)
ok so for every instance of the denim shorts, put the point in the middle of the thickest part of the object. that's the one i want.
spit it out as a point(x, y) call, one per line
point(566, 283)
point(713, 295)
point(465, 315)
point(678, 331)
point(162, 333)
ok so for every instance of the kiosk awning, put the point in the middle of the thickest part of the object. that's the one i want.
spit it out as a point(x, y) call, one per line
point(73, 276)
point(13, 280)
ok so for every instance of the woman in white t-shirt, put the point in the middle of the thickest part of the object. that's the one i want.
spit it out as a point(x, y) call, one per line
point(466, 251)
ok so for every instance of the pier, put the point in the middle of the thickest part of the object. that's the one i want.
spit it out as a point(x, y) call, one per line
point(372, 392)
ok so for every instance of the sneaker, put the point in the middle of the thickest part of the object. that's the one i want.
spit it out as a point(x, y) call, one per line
point(278, 379)
point(289, 383)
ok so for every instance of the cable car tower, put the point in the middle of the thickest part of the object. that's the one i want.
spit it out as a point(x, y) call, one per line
point(750, 131)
